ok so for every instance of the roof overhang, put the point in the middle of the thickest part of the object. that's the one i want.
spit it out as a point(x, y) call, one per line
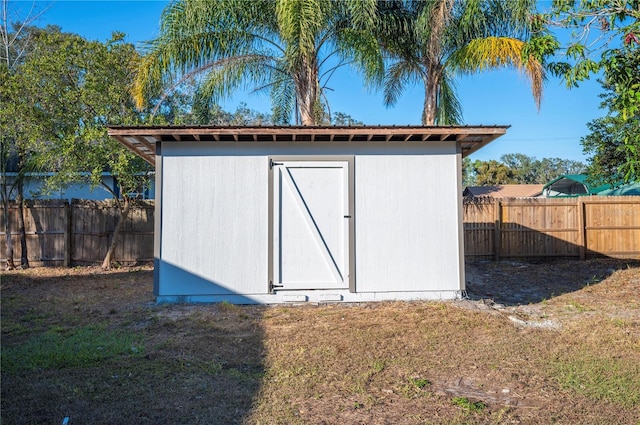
point(142, 139)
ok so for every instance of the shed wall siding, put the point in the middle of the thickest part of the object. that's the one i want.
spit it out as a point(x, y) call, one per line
point(404, 240)
point(214, 225)
point(215, 218)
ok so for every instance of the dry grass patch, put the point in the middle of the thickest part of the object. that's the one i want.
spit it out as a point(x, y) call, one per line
point(377, 363)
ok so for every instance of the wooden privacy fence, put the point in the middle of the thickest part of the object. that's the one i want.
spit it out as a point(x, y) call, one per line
point(59, 233)
point(534, 228)
point(78, 233)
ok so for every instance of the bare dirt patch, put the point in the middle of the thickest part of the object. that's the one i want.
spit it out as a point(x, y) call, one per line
point(554, 342)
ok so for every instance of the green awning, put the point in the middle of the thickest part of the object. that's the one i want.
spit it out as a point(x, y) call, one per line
point(572, 185)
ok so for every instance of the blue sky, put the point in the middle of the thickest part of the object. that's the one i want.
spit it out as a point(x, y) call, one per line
point(492, 98)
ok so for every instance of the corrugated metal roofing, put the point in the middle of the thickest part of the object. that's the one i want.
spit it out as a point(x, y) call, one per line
point(142, 139)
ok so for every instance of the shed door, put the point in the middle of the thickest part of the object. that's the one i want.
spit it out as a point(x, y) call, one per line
point(311, 224)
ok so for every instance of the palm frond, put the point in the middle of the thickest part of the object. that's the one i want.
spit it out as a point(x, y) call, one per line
point(283, 96)
point(399, 75)
point(430, 26)
point(499, 52)
point(449, 111)
point(468, 21)
point(194, 34)
point(363, 13)
point(300, 22)
point(511, 18)
point(362, 47)
point(233, 73)
point(226, 39)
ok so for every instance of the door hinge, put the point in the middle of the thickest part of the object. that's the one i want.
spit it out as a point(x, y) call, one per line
point(272, 163)
point(272, 286)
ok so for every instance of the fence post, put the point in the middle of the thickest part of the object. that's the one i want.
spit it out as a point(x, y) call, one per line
point(497, 223)
point(582, 228)
point(67, 234)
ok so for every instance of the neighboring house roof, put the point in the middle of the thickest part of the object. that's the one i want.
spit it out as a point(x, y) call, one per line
point(142, 139)
point(572, 185)
point(504, 191)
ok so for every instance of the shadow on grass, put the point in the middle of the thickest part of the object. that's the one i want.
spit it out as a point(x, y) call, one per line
point(190, 364)
point(516, 283)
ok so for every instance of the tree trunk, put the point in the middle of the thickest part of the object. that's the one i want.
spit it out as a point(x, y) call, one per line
point(306, 103)
point(307, 92)
point(306, 114)
point(429, 109)
point(24, 255)
point(4, 197)
point(431, 86)
point(123, 208)
point(7, 233)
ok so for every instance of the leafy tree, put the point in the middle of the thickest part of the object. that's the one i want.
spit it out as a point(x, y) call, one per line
point(16, 124)
point(342, 119)
point(175, 108)
point(518, 168)
point(242, 116)
point(77, 87)
point(524, 168)
point(288, 48)
point(597, 27)
point(432, 41)
point(491, 173)
point(551, 168)
point(529, 170)
point(182, 106)
point(11, 158)
point(468, 176)
point(614, 141)
point(605, 41)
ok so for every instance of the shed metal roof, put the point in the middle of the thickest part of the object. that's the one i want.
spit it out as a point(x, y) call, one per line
point(142, 139)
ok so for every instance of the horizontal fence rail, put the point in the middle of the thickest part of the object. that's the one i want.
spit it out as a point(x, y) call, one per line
point(59, 233)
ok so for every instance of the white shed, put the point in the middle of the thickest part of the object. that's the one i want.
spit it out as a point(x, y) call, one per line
point(307, 214)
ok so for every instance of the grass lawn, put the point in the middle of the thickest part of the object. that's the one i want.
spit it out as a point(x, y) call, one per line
point(533, 344)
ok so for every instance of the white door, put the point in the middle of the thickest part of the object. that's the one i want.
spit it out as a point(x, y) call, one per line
point(311, 224)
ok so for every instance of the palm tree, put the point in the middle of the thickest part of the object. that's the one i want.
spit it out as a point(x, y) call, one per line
point(288, 48)
point(432, 41)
